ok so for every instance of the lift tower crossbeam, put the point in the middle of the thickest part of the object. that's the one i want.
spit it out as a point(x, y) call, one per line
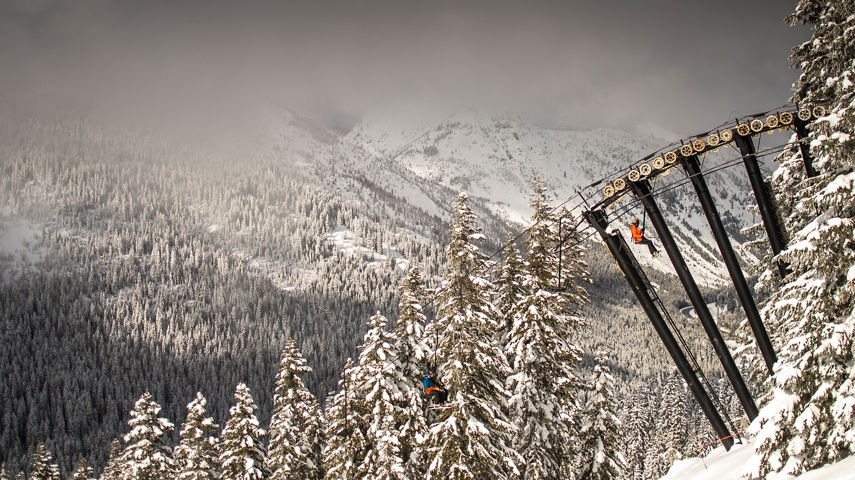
point(693, 169)
point(640, 287)
point(641, 189)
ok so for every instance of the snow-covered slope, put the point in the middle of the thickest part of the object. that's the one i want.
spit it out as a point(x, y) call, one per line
point(388, 161)
point(497, 158)
point(722, 465)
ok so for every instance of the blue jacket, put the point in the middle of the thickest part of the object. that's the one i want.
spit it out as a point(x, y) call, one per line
point(428, 382)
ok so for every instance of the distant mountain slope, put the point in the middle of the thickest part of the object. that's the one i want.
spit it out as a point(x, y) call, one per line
point(496, 159)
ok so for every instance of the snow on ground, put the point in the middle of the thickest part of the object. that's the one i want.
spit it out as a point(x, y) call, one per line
point(18, 242)
point(345, 241)
point(721, 465)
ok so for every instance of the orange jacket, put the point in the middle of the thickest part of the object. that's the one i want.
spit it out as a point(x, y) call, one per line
point(637, 233)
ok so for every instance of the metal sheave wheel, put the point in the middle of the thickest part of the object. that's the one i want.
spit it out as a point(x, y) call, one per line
point(726, 135)
point(633, 175)
point(686, 151)
point(658, 163)
point(743, 129)
point(645, 169)
point(756, 125)
point(772, 121)
point(818, 111)
point(804, 114)
point(786, 118)
point(713, 140)
point(619, 184)
point(608, 191)
point(699, 145)
point(670, 157)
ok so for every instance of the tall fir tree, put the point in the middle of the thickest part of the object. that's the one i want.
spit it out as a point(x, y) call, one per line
point(44, 467)
point(296, 428)
point(810, 417)
point(509, 285)
point(82, 471)
point(413, 355)
point(473, 436)
point(196, 454)
point(638, 427)
point(113, 469)
point(146, 455)
point(601, 434)
point(346, 429)
point(544, 382)
point(379, 381)
point(241, 454)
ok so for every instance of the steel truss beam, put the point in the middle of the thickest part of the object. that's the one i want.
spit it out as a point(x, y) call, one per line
point(640, 286)
point(641, 189)
point(693, 169)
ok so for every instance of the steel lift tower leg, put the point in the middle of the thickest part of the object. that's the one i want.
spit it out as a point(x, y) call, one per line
point(693, 169)
point(641, 190)
point(637, 282)
point(802, 135)
point(764, 202)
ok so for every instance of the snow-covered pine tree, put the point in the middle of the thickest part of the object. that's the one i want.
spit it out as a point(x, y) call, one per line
point(601, 436)
point(668, 438)
point(509, 285)
point(409, 332)
point(473, 437)
point(146, 456)
point(196, 454)
point(112, 471)
point(4, 475)
point(638, 423)
point(241, 454)
point(543, 384)
point(809, 419)
point(295, 434)
point(346, 428)
point(43, 466)
point(409, 328)
point(379, 378)
point(82, 471)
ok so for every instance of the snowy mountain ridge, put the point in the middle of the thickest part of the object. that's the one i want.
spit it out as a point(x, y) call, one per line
point(496, 159)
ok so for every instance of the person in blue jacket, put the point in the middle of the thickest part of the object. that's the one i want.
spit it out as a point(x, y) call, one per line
point(434, 389)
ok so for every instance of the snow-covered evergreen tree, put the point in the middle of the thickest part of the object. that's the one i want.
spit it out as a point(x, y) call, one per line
point(241, 454)
point(809, 419)
point(473, 437)
point(295, 435)
point(113, 471)
point(601, 434)
point(43, 466)
point(543, 384)
point(638, 426)
point(379, 381)
point(4, 475)
point(196, 454)
point(346, 428)
point(509, 285)
point(146, 455)
point(82, 471)
point(412, 354)
point(409, 328)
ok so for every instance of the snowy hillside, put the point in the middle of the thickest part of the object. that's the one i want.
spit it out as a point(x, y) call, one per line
point(496, 159)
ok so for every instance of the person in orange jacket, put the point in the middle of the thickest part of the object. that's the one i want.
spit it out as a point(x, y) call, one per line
point(434, 390)
point(638, 238)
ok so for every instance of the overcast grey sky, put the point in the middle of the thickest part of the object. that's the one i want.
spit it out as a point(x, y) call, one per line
point(682, 65)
